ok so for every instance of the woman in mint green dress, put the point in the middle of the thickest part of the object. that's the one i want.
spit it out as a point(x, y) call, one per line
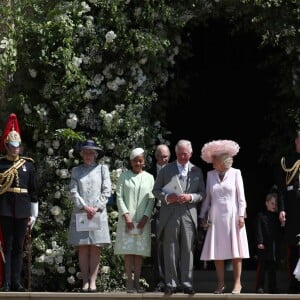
point(135, 203)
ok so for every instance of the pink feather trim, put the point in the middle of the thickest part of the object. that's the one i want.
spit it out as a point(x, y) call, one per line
point(219, 147)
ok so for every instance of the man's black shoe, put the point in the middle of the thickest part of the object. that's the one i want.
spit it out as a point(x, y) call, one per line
point(293, 291)
point(6, 287)
point(170, 290)
point(189, 290)
point(18, 288)
point(159, 289)
point(260, 291)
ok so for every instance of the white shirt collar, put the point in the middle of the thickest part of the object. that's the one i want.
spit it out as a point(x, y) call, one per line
point(183, 170)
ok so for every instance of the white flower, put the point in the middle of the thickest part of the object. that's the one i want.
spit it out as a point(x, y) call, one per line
point(49, 260)
point(49, 252)
point(40, 259)
point(4, 42)
point(105, 269)
point(98, 78)
point(41, 111)
point(157, 124)
point(57, 195)
point(39, 144)
point(142, 61)
point(61, 269)
point(59, 260)
point(111, 145)
point(110, 36)
point(55, 211)
point(85, 59)
point(71, 280)
point(55, 144)
point(112, 85)
point(114, 214)
point(72, 121)
point(85, 6)
point(108, 118)
point(26, 108)
point(56, 104)
point(77, 61)
point(71, 270)
point(50, 151)
point(63, 173)
point(32, 73)
point(60, 219)
point(70, 153)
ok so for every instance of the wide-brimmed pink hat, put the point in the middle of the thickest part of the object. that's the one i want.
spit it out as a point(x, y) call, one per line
point(219, 147)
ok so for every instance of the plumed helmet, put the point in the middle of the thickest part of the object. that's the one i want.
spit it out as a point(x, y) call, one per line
point(11, 134)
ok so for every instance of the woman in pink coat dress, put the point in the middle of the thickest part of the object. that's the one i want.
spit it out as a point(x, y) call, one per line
point(225, 208)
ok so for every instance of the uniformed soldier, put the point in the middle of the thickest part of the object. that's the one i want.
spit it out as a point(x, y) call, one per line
point(289, 208)
point(18, 203)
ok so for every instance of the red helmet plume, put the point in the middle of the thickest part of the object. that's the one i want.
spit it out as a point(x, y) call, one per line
point(11, 133)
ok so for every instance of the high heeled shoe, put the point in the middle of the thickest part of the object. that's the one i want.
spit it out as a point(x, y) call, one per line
point(220, 291)
point(236, 291)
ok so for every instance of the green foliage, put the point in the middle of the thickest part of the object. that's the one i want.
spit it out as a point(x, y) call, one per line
point(277, 22)
point(76, 70)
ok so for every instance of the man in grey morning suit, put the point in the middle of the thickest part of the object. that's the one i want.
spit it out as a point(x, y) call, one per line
point(180, 188)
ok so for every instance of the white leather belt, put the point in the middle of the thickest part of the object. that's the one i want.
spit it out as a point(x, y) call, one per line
point(17, 190)
point(292, 188)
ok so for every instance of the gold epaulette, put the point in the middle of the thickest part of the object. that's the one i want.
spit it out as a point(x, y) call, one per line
point(290, 172)
point(8, 176)
point(27, 158)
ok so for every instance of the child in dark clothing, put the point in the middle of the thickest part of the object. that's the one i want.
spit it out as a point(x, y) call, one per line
point(268, 233)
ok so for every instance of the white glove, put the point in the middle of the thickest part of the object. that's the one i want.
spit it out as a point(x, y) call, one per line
point(34, 213)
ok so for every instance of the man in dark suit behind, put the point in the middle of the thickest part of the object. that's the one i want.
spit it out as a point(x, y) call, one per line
point(162, 156)
point(289, 207)
point(180, 187)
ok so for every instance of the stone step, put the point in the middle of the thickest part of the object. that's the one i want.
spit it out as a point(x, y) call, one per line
point(136, 296)
point(205, 280)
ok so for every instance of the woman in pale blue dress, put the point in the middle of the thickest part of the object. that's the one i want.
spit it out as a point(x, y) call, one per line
point(90, 189)
point(135, 203)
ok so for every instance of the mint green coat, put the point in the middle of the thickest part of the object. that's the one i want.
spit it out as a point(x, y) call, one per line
point(134, 196)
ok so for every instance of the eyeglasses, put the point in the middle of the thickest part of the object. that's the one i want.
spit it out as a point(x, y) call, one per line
point(163, 156)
